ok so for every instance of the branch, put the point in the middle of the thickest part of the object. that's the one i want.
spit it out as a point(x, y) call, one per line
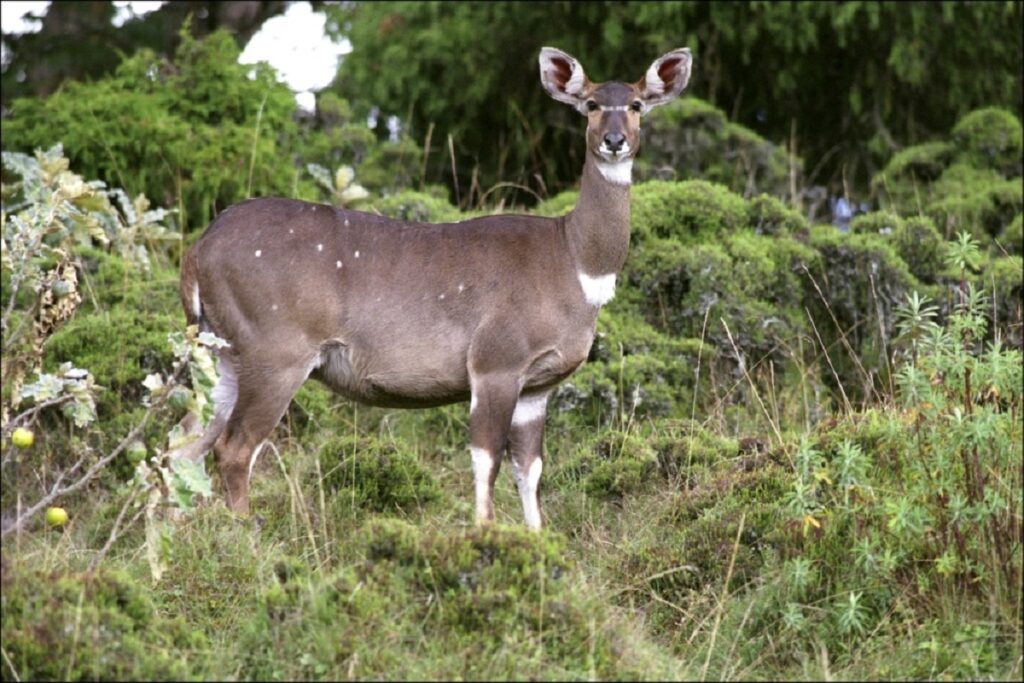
point(57, 490)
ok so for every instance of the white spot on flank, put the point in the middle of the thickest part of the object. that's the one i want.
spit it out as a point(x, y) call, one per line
point(258, 253)
point(530, 408)
point(291, 231)
point(597, 290)
point(357, 254)
point(338, 264)
point(620, 173)
point(346, 222)
point(197, 307)
point(274, 307)
point(319, 247)
point(527, 483)
point(461, 287)
point(440, 297)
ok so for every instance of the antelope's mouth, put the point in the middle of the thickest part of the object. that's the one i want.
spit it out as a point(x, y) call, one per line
point(615, 156)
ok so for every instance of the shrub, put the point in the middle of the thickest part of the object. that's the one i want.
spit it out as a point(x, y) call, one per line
point(610, 464)
point(1012, 237)
point(376, 474)
point(990, 138)
point(467, 604)
point(690, 138)
point(65, 626)
point(687, 212)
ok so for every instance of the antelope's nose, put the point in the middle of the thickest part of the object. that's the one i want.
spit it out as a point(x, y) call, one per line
point(614, 141)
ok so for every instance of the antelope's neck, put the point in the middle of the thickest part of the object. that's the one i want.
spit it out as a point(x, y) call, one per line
point(598, 228)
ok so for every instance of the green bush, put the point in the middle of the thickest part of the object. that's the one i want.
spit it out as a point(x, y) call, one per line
point(425, 605)
point(376, 474)
point(1012, 237)
point(418, 207)
point(690, 138)
point(65, 626)
point(921, 247)
point(687, 212)
point(990, 138)
point(610, 464)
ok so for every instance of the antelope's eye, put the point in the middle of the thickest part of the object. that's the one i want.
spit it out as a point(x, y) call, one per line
point(591, 105)
point(637, 105)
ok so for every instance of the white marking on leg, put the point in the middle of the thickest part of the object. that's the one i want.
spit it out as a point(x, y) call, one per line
point(619, 173)
point(472, 403)
point(483, 463)
point(197, 306)
point(528, 482)
point(597, 290)
point(530, 408)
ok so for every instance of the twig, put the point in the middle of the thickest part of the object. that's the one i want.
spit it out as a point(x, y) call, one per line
point(725, 597)
point(846, 401)
point(113, 532)
point(753, 388)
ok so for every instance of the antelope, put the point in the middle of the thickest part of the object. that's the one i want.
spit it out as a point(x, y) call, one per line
point(497, 310)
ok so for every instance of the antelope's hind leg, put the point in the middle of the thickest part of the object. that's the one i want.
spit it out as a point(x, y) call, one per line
point(491, 407)
point(259, 405)
point(526, 451)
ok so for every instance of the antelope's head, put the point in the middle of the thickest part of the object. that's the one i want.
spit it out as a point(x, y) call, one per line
point(613, 109)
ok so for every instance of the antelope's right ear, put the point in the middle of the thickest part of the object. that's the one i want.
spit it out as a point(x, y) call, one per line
point(563, 77)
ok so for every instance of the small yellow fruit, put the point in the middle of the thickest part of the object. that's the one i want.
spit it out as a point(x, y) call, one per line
point(136, 452)
point(56, 516)
point(22, 437)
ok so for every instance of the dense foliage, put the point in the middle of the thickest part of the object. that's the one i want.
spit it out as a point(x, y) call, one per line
point(794, 451)
point(847, 85)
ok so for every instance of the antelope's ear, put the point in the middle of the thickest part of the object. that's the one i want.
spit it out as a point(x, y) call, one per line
point(563, 77)
point(666, 77)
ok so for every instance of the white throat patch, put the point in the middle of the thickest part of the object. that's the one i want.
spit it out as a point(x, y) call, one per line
point(620, 173)
point(597, 290)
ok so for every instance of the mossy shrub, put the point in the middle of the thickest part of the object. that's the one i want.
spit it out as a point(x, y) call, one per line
point(876, 223)
point(769, 216)
point(980, 201)
point(381, 474)
point(924, 162)
point(686, 211)
point(862, 281)
point(633, 369)
point(691, 138)
point(681, 445)
point(433, 604)
point(1002, 279)
point(609, 464)
point(1012, 237)
point(559, 205)
point(990, 138)
point(417, 207)
point(119, 346)
point(66, 626)
point(920, 245)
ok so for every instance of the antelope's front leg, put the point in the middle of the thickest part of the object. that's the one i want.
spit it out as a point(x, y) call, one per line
point(490, 415)
point(526, 451)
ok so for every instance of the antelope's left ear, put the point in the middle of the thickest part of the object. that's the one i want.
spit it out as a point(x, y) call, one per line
point(666, 78)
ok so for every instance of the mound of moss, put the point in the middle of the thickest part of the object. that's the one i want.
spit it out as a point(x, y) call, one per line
point(66, 626)
point(485, 603)
point(376, 474)
point(691, 138)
